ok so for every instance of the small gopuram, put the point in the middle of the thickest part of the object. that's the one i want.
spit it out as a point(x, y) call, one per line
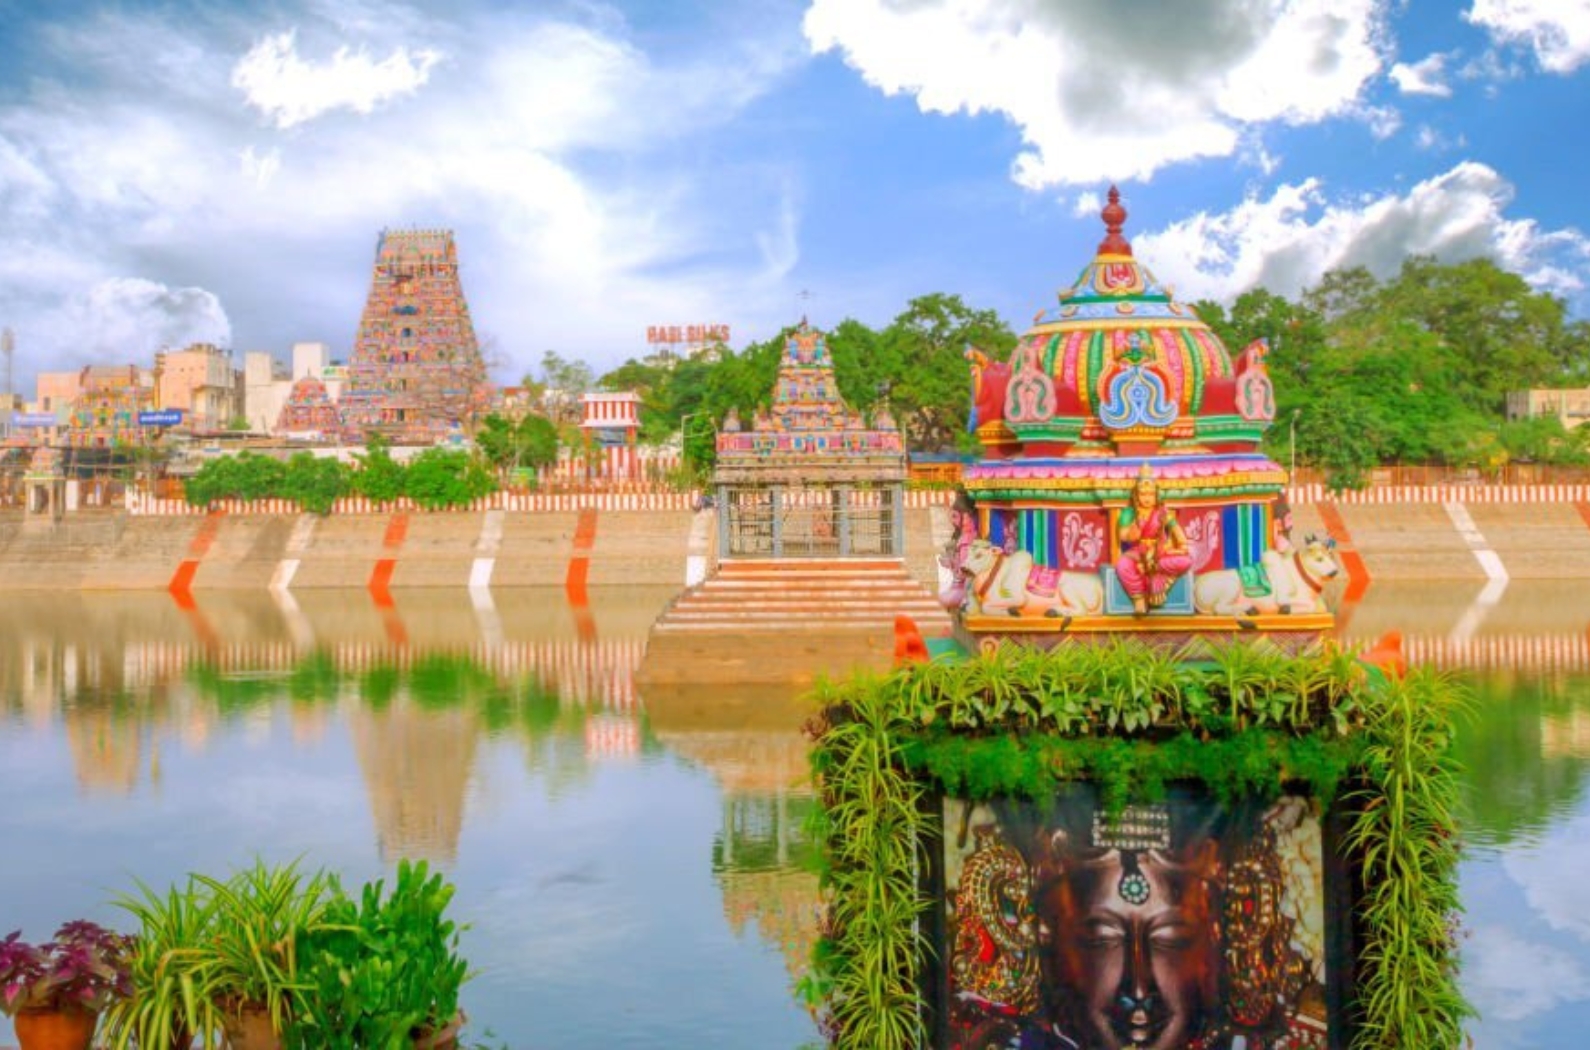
point(416, 374)
point(810, 478)
point(309, 414)
point(811, 571)
point(45, 485)
point(1121, 489)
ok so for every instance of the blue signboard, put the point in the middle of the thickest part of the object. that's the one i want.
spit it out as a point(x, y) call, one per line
point(33, 419)
point(168, 417)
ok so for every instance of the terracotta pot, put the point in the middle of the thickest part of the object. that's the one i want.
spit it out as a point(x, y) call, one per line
point(443, 1038)
point(251, 1029)
point(67, 1029)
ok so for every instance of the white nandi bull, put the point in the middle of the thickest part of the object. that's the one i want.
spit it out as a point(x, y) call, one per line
point(1013, 583)
point(1296, 580)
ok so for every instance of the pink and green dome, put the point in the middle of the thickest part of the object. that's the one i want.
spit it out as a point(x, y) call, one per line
point(1119, 362)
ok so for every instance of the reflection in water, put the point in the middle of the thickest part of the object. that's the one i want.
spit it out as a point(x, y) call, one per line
point(1526, 766)
point(500, 742)
point(417, 764)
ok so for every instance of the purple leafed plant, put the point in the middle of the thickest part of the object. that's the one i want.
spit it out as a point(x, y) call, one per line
point(84, 967)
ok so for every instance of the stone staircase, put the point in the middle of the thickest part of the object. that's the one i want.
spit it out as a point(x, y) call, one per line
point(807, 595)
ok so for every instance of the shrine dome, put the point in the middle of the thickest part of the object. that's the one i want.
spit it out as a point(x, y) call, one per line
point(1118, 366)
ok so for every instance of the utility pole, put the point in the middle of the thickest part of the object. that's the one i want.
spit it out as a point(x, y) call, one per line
point(8, 348)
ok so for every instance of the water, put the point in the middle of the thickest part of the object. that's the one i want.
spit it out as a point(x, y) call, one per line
point(630, 860)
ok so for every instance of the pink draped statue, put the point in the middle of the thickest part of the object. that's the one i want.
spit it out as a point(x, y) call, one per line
point(1154, 550)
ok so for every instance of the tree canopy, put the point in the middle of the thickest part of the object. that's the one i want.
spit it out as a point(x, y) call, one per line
point(1412, 368)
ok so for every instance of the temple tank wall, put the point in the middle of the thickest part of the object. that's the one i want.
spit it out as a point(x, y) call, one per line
point(105, 550)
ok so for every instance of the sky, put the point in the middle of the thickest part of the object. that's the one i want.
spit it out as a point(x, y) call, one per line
point(176, 172)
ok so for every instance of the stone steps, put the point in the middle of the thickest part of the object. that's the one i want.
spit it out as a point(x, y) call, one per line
point(804, 597)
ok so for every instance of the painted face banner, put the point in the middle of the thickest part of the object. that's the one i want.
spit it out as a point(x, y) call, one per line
point(1183, 925)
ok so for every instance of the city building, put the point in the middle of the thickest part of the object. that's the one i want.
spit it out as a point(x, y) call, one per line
point(416, 374)
point(200, 382)
point(266, 386)
point(609, 423)
point(1570, 406)
point(105, 412)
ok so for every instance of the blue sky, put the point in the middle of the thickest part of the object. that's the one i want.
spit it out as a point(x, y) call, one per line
point(181, 171)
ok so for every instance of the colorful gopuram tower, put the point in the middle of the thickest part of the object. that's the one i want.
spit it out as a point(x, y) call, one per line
point(309, 413)
point(416, 373)
point(1122, 489)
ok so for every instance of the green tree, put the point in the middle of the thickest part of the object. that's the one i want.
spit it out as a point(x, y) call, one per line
point(443, 477)
point(379, 477)
point(565, 382)
point(315, 482)
point(922, 365)
point(699, 443)
point(509, 445)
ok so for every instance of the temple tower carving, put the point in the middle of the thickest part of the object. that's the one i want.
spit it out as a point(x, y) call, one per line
point(416, 373)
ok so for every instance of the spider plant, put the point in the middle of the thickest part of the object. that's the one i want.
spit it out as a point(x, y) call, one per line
point(173, 973)
point(259, 913)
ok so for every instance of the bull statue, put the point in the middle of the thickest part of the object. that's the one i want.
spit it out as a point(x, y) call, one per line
point(1013, 583)
point(1292, 583)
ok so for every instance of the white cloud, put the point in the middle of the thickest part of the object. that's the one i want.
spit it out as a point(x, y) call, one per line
point(585, 179)
point(1096, 97)
point(1557, 31)
point(290, 91)
point(128, 318)
point(1088, 203)
point(1287, 242)
point(1502, 975)
point(1552, 875)
point(1424, 77)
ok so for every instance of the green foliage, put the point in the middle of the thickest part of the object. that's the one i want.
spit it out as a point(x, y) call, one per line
point(173, 972)
point(1405, 837)
point(380, 477)
point(247, 475)
point(381, 968)
point(441, 477)
point(1243, 720)
point(509, 445)
point(699, 441)
point(315, 482)
point(259, 914)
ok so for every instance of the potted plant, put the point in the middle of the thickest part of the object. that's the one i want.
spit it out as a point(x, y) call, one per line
point(172, 973)
point(384, 971)
point(259, 915)
point(55, 991)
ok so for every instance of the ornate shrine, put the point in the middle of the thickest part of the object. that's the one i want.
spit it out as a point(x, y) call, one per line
point(309, 412)
point(105, 412)
point(810, 478)
point(416, 373)
point(1121, 487)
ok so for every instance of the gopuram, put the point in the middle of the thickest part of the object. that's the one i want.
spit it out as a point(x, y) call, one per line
point(416, 373)
point(810, 570)
point(309, 414)
point(1121, 489)
point(810, 478)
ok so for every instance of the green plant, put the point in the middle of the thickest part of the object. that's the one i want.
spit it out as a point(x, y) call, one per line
point(379, 970)
point(1406, 838)
point(440, 477)
point(84, 968)
point(1020, 722)
point(259, 915)
point(171, 971)
point(379, 476)
point(315, 482)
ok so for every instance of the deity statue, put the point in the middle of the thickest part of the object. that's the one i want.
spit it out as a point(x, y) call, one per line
point(1154, 551)
point(963, 530)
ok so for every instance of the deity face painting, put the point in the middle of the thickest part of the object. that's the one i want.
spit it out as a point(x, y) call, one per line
point(1129, 946)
